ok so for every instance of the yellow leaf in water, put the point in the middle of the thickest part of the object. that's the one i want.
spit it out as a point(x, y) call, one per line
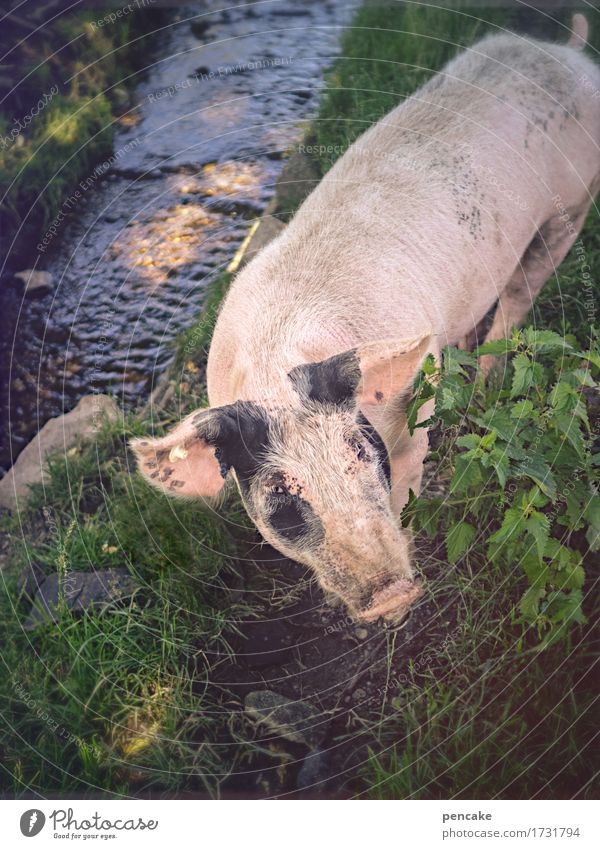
point(190, 366)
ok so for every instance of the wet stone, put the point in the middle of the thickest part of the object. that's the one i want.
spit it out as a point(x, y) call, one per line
point(200, 26)
point(297, 721)
point(314, 770)
point(30, 580)
point(79, 591)
point(35, 281)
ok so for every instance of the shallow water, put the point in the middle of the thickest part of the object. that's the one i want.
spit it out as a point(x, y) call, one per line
point(195, 161)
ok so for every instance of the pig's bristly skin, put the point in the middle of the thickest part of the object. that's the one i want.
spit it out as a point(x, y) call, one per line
point(472, 190)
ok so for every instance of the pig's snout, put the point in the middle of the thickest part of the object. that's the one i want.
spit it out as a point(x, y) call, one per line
point(391, 601)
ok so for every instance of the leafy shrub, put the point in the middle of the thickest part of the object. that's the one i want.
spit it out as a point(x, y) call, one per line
point(523, 472)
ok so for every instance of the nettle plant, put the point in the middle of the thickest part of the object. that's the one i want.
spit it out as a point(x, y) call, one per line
point(523, 493)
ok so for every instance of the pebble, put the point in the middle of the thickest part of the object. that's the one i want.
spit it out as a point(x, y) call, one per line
point(297, 721)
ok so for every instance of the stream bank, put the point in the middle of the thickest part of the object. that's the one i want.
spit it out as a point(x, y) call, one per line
point(194, 161)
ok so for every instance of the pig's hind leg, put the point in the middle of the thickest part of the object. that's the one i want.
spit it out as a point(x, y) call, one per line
point(545, 253)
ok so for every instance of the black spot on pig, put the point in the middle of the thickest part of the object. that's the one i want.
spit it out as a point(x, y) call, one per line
point(332, 381)
point(379, 396)
point(240, 434)
point(293, 519)
point(374, 439)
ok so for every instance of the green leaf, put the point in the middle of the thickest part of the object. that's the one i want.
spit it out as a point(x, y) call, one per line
point(536, 468)
point(522, 410)
point(570, 428)
point(458, 540)
point(488, 440)
point(591, 356)
point(573, 578)
point(537, 573)
point(545, 340)
point(467, 473)
point(539, 528)
point(496, 347)
point(563, 395)
point(454, 359)
point(559, 605)
point(422, 396)
point(429, 365)
point(446, 400)
point(500, 462)
point(422, 513)
point(564, 610)
point(499, 420)
point(530, 603)
point(536, 498)
point(513, 524)
point(469, 440)
point(525, 374)
point(584, 377)
point(592, 515)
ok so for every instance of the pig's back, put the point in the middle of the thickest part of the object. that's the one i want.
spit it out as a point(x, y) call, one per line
point(424, 218)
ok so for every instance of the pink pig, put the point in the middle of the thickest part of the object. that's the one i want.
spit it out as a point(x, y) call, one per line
point(470, 192)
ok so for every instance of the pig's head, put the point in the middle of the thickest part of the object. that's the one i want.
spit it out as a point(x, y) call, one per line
point(313, 473)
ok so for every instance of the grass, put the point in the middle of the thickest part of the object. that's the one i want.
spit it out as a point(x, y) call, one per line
point(485, 715)
point(120, 702)
point(115, 702)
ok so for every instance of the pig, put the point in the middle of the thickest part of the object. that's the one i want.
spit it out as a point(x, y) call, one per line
point(470, 192)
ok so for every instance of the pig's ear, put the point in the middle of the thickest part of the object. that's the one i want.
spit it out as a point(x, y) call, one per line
point(373, 374)
point(389, 368)
point(183, 462)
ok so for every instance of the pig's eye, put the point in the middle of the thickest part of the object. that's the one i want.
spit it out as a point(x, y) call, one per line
point(278, 489)
point(361, 451)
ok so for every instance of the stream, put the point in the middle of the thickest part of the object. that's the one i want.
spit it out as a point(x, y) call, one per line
point(195, 160)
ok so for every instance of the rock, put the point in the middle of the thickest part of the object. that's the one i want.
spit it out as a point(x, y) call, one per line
point(200, 26)
point(298, 722)
point(58, 434)
point(361, 633)
point(298, 178)
point(30, 580)
point(35, 281)
point(79, 591)
point(119, 97)
point(266, 231)
point(314, 770)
